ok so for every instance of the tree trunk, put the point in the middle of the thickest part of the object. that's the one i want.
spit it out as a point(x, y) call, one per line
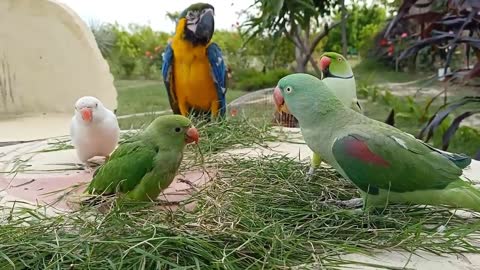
point(299, 59)
point(304, 48)
point(344, 29)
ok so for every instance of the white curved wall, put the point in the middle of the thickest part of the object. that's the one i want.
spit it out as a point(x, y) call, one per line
point(48, 59)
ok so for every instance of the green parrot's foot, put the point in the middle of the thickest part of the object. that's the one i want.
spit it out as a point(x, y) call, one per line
point(87, 168)
point(352, 203)
point(95, 200)
point(94, 163)
point(310, 173)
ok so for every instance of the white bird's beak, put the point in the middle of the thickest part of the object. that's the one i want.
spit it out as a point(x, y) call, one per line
point(87, 114)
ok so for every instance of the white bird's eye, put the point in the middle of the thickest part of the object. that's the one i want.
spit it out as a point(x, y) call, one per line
point(177, 129)
point(96, 105)
point(288, 89)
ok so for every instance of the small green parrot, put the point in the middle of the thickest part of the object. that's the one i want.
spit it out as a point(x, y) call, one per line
point(338, 76)
point(147, 163)
point(386, 164)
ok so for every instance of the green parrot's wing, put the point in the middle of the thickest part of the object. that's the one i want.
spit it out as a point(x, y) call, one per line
point(125, 168)
point(461, 160)
point(396, 162)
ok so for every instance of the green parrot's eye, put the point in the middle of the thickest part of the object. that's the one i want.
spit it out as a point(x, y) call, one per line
point(177, 129)
point(288, 89)
point(339, 59)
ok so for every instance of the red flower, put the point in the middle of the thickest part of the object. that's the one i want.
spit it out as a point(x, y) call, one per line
point(383, 42)
point(390, 50)
point(233, 112)
point(148, 53)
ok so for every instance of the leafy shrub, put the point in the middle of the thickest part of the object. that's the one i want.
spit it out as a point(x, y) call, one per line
point(442, 127)
point(251, 79)
point(443, 115)
point(366, 38)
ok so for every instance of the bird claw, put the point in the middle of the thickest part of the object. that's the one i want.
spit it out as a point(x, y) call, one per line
point(88, 169)
point(310, 173)
point(352, 203)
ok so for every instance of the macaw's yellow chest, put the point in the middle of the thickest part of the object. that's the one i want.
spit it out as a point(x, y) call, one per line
point(194, 85)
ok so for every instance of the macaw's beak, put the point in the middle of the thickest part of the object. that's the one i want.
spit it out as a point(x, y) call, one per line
point(205, 26)
point(192, 135)
point(87, 114)
point(279, 100)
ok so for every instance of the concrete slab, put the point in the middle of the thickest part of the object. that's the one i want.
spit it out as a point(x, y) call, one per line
point(35, 126)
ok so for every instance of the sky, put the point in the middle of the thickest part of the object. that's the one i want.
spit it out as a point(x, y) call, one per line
point(153, 12)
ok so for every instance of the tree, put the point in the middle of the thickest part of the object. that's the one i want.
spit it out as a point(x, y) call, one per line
point(344, 28)
point(104, 36)
point(363, 23)
point(173, 16)
point(297, 20)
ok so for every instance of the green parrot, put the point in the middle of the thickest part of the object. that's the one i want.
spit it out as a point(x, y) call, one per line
point(146, 164)
point(338, 76)
point(386, 164)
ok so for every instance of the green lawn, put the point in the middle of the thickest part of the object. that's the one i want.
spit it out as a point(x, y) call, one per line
point(150, 96)
point(139, 96)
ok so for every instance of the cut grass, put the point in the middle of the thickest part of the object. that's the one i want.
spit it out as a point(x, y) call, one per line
point(259, 213)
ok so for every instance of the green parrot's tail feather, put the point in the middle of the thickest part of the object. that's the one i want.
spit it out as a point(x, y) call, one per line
point(461, 194)
point(460, 160)
point(458, 194)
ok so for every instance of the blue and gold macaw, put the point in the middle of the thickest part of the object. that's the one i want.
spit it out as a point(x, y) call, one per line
point(193, 68)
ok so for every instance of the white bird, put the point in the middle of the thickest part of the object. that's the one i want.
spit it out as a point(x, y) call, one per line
point(94, 130)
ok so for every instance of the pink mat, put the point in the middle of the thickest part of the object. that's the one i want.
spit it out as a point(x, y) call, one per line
point(50, 189)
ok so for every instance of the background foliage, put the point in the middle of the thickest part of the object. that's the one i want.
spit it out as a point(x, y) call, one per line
point(280, 37)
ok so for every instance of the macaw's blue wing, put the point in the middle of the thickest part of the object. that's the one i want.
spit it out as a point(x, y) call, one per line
point(219, 73)
point(167, 74)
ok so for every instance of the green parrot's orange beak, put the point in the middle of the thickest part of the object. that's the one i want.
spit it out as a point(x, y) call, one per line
point(279, 101)
point(192, 135)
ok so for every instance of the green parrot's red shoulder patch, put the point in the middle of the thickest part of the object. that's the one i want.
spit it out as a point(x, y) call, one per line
point(358, 148)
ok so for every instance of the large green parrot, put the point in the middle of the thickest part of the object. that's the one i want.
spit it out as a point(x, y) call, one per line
point(146, 164)
point(338, 76)
point(386, 164)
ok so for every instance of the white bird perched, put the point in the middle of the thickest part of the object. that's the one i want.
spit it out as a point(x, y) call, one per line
point(94, 129)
